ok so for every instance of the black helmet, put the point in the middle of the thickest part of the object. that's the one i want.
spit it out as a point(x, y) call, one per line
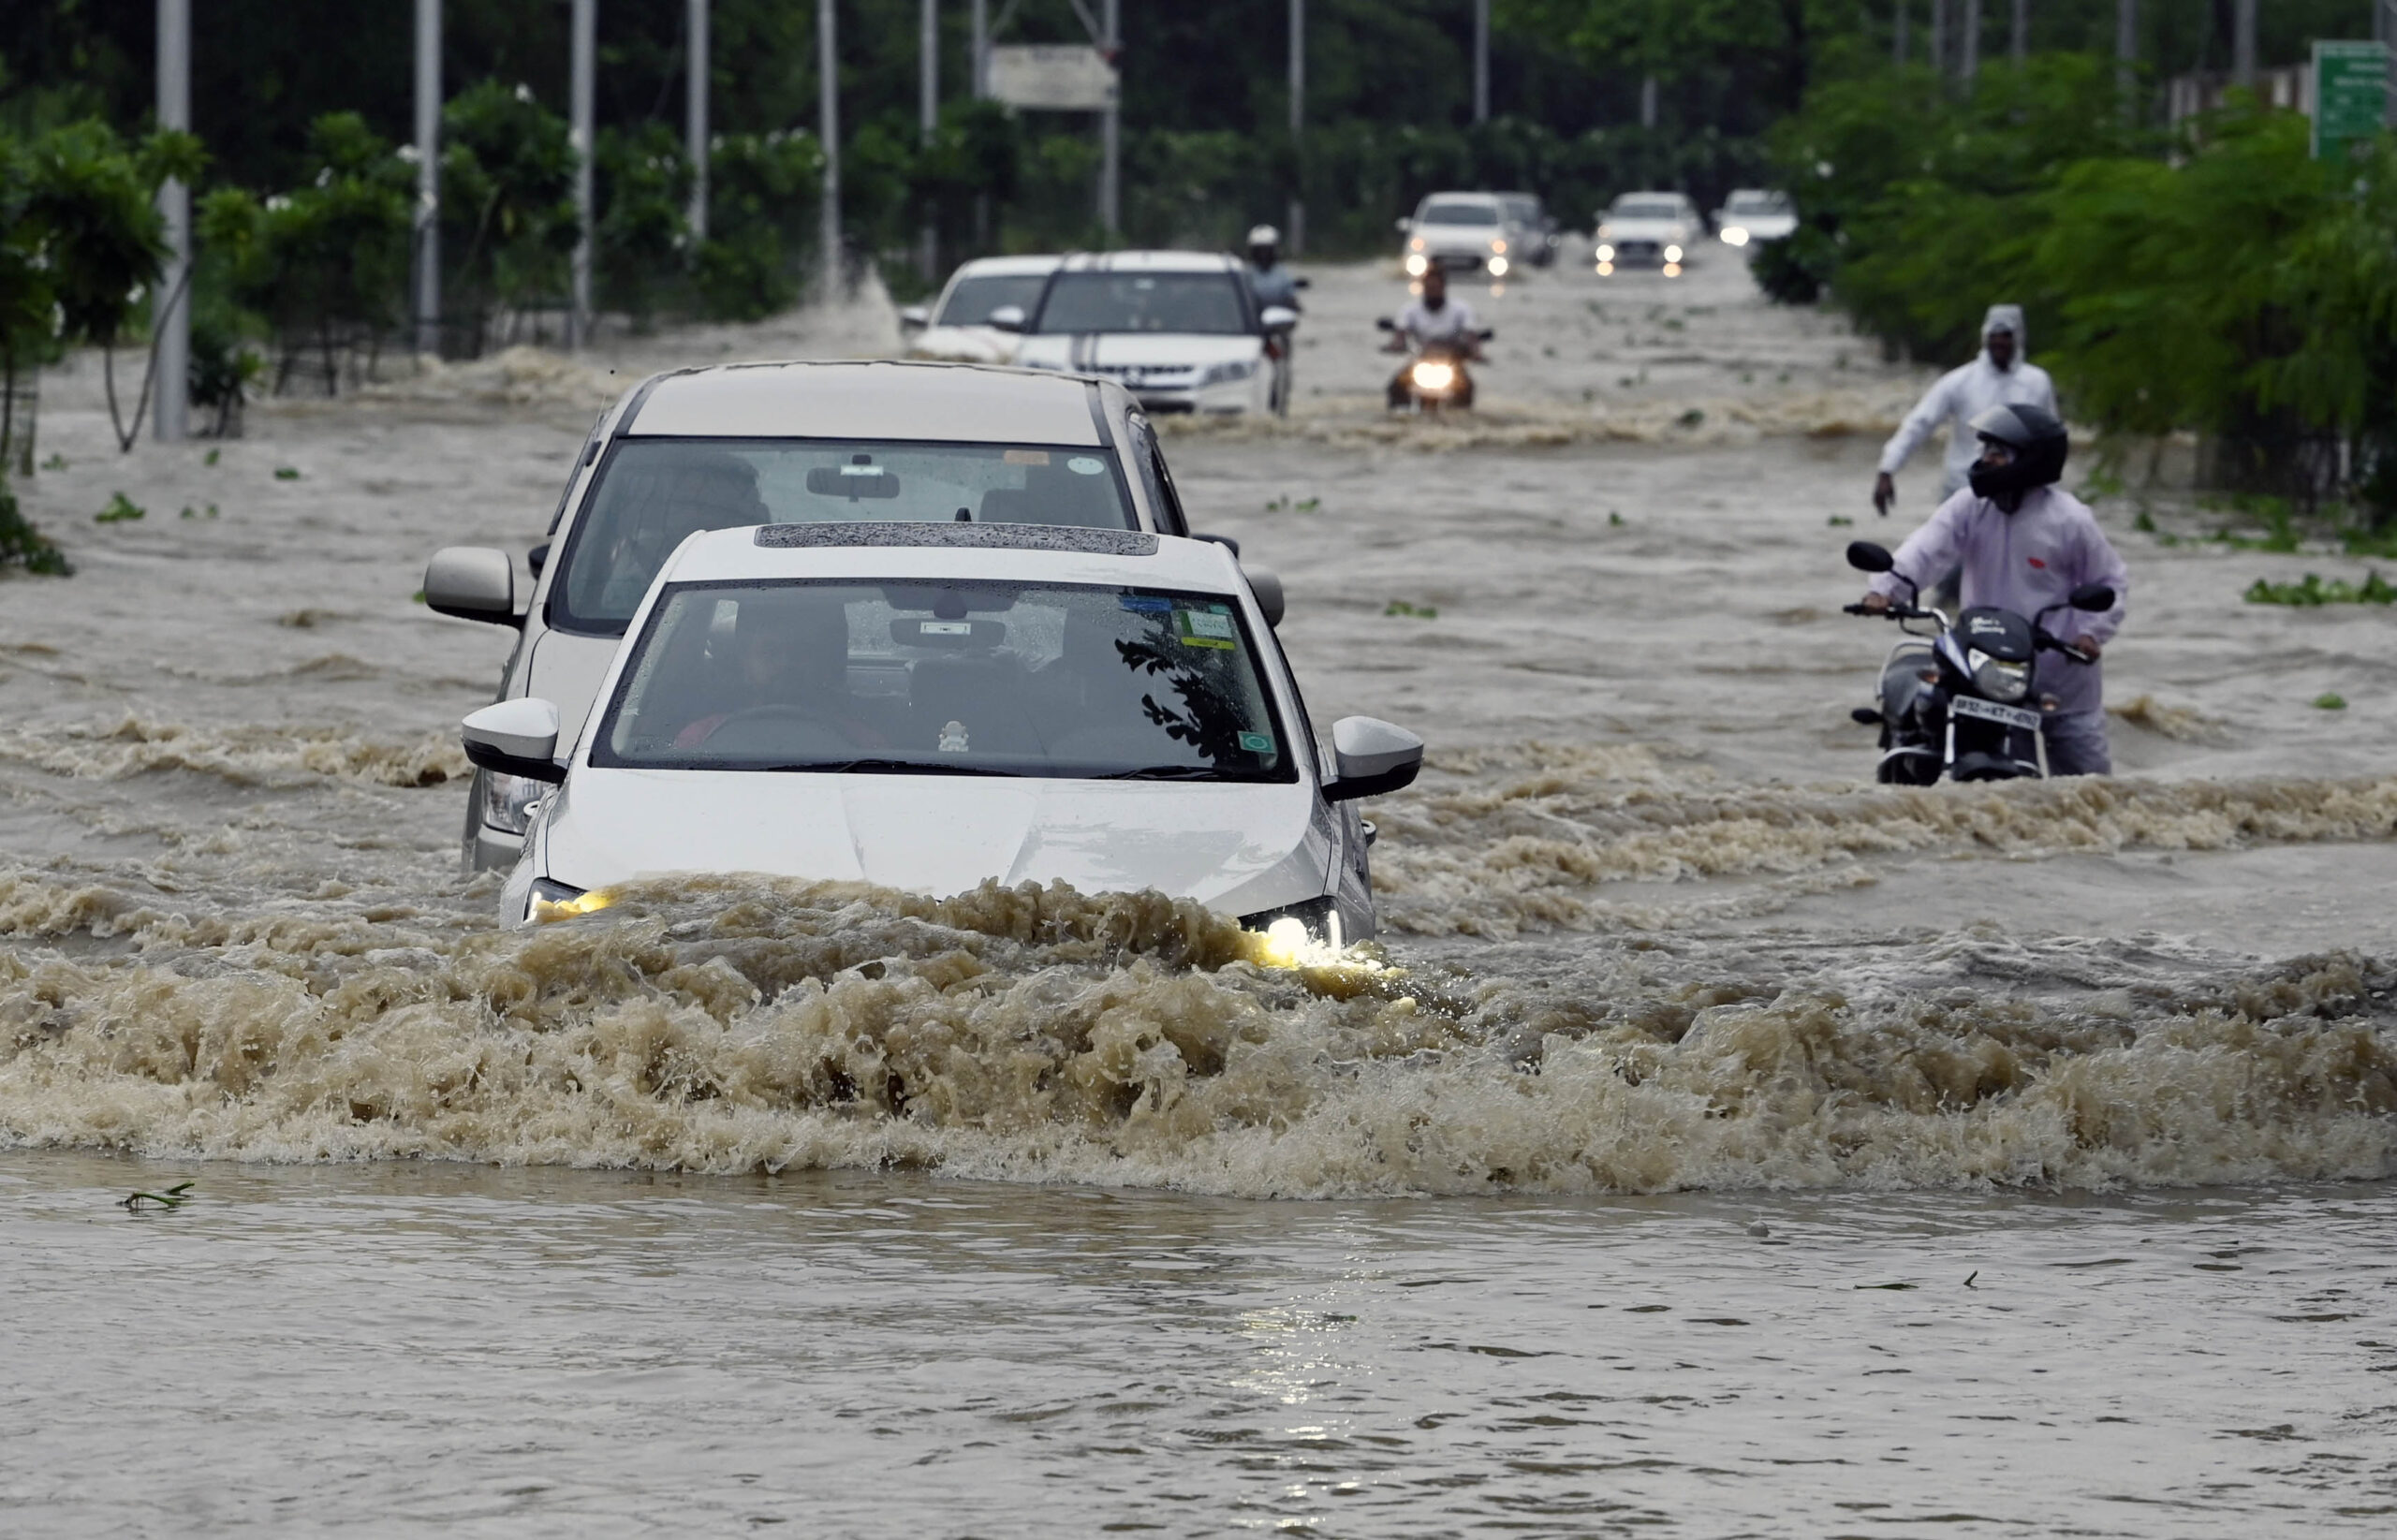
point(2037, 438)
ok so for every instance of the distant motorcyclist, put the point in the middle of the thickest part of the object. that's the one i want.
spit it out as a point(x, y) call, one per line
point(1432, 319)
point(2024, 544)
point(2001, 375)
point(1269, 277)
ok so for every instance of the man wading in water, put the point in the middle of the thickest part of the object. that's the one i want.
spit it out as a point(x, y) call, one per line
point(2001, 376)
point(2024, 544)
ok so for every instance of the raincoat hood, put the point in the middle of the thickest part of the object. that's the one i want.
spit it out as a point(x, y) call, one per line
point(2006, 318)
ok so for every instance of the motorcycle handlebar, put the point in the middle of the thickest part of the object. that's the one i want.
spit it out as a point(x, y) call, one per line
point(2057, 644)
point(1888, 613)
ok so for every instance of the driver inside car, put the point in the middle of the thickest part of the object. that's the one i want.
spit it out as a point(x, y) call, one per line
point(788, 672)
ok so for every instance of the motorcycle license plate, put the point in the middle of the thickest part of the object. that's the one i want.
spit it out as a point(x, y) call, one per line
point(1989, 711)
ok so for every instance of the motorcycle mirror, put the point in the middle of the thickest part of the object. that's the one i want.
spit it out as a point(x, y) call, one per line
point(1486, 334)
point(2095, 598)
point(1384, 323)
point(1864, 556)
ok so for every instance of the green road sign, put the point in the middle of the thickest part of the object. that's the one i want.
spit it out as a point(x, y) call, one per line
point(2350, 95)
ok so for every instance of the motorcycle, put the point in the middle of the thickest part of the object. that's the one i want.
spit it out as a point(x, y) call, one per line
point(1954, 703)
point(1435, 379)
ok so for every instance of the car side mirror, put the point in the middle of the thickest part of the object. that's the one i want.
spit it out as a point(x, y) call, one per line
point(914, 318)
point(1008, 318)
point(1383, 323)
point(516, 737)
point(1374, 756)
point(537, 557)
point(1864, 556)
point(2095, 598)
point(1267, 586)
point(1278, 319)
point(472, 583)
point(1302, 282)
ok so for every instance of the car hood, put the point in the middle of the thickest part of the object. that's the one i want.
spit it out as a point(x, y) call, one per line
point(1646, 229)
point(1136, 349)
point(1460, 237)
point(1234, 848)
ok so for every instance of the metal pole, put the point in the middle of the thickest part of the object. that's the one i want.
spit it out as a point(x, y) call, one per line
point(1940, 36)
point(695, 118)
point(1647, 101)
point(1482, 61)
point(828, 92)
point(2243, 49)
point(927, 114)
point(585, 48)
point(428, 177)
point(171, 307)
point(1296, 236)
point(1111, 164)
point(2019, 47)
point(1898, 33)
point(2127, 47)
point(1968, 64)
point(978, 67)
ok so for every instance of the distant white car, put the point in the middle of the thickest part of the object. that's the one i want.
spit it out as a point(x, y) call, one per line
point(1751, 215)
point(1180, 329)
point(736, 444)
point(1648, 230)
point(957, 326)
point(931, 706)
point(1475, 230)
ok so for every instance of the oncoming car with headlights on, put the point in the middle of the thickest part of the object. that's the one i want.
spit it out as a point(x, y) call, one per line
point(736, 444)
point(1472, 230)
point(1180, 329)
point(1648, 230)
point(929, 707)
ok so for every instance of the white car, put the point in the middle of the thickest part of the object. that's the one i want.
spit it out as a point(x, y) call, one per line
point(783, 442)
point(1648, 230)
point(956, 327)
point(1475, 230)
point(929, 707)
point(1179, 329)
point(1751, 215)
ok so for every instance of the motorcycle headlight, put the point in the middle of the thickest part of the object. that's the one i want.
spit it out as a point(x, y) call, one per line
point(1416, 266)
point(1672, 254)
point(1432, 374)
point(1999, 679)
point(1606, 251)
point(1228, 371)
point(507, 801)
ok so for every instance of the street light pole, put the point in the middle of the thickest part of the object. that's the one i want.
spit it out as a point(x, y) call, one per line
point(428, 177)
point(2020, 44)
point(171, 302)
point(1482, 61)
point(585, 47)
point(2243, 52)
point(1968, 65)
point(2126, 48)
point(978, 67)
point(1110, 207)
point(828, 92)
point(927, 114)
point(1296, 236)
point(695, 118)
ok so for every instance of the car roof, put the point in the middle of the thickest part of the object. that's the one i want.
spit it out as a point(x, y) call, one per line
point(872, 398)
point(1007, 267)
point(1461, 197)
point(901, 551)
point(1150, 261)
point(1660, 193)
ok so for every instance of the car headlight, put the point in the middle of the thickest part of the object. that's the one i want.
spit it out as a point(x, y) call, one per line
point(1295, 928)
point(1432, 374)
point(1416, 244)
point(1416, 266)
point(1606, 251)
point(1734, 235)
point(557, 901)
point(1498, 246)
point(1999, 680)
point(508, 802)
point(1228, 371)
point(1497, 267)
point(1672, 254)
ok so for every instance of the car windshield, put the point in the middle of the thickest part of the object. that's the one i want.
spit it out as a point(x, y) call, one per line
point(972, 301)
point(946, 677)
point(1207, 303)
point(1758, 203)
point(1459, 213)
point(1526, 209)
point(1647, 208)
point(652, 492)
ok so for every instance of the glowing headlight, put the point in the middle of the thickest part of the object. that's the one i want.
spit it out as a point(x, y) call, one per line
point(1999, 679)
point(1672, 269)
point(1734, 235)
point(1416, 244)
point(1672, 254)
point(1433, 375)
point(1606, 253)
point(1605, 269)
point(507, 801)
point(1416, 266)
point(1308, 932)
point(1498, 246)
point(555, 900)
point(1227, 371)
point(1497, 267)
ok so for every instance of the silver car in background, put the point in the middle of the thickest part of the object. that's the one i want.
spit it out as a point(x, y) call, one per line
point(1752, 214)
point(956, 327)
point(1657, 230)
point(1462, 231)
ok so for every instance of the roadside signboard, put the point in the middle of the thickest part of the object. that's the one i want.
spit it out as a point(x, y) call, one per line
point(1057, 78)
point(2350, 95)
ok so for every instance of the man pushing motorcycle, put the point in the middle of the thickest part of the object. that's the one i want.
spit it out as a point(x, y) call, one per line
point(2024, 544)
point(1432, 319)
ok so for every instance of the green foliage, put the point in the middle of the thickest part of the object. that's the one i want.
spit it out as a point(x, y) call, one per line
point(2313, 592)
point(24, 547)
point(509, 225)
point(762, 197)
point(121, 510)
point(2331, 702)
point(641, 239)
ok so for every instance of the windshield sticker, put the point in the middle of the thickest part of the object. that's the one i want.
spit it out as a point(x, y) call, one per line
point(1085, 465)
point(952, 738)
point(1025, 457)
point(1205, 628)
point(1149, 602)
point(1256, 743)
point(944, 628)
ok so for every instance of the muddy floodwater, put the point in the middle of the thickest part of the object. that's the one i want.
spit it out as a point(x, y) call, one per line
point(1717, 1144)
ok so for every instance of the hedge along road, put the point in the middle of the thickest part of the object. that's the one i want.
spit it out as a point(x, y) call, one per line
point(1700, 1043)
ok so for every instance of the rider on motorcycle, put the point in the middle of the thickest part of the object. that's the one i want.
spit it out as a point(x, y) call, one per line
point(1269, 279)
point(1432, 318)
point(2025, 544)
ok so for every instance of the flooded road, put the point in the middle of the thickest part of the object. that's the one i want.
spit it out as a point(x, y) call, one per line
point(1576, 1211)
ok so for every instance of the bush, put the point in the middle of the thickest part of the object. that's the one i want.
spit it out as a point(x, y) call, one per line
point(23, 545)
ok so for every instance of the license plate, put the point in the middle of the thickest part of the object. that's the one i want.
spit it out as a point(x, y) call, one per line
point(1989, 711)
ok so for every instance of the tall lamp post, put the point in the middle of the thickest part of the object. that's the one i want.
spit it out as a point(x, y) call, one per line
point(428, 177)
point(1296, 234)
point(170, 312)
point(695, 118)
point(586, 27)
point(827, 91)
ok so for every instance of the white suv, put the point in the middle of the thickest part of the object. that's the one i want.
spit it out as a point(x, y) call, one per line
point(738, 444)
point(1180, 329)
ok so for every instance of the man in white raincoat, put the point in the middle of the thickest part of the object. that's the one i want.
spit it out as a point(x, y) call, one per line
point(2024, 544)
point(2001, 375)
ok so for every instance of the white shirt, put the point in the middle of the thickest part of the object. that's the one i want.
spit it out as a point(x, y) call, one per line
point(1961, 395)
point(1450, 323)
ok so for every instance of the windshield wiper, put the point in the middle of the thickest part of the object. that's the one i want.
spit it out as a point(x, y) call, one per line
point(1164, 773)
point(897, 767)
